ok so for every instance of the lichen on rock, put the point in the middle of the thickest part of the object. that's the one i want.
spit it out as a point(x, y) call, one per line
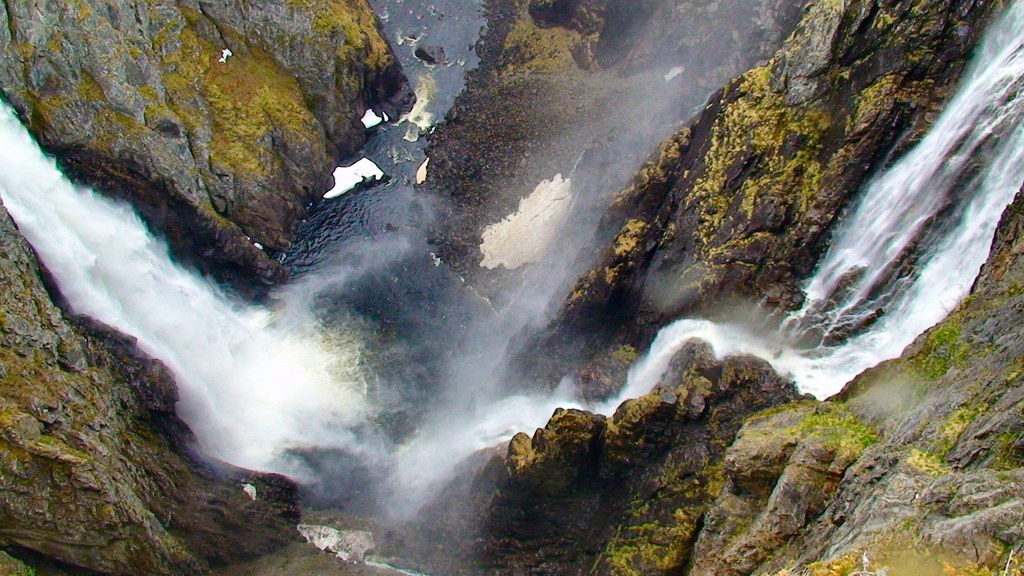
point(133, 98)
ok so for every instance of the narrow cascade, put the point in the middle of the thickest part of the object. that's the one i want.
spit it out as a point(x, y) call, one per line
point(252, 385)
point(910, 249)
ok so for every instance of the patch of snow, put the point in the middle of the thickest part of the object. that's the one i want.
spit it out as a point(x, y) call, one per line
point(370, 119)
point(224, 55)
point(258, 245)
point(435, 259)
point(421, 172)
point(525, 236)
point(348, 545)
point(250, 490)
point(348, 177)
point(674, 72)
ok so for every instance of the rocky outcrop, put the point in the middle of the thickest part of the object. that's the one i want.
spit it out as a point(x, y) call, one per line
point(917, 467)
point(927, 474)
point(96, 471)
point(218, 152)
point(739, 204)
point(546, 100)
point(596, 495)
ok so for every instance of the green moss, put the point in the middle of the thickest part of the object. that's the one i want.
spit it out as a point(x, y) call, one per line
point(658, 531)
point(928, 463)
point(830, 423)
point(540, 49)
point(954, 427)
point(942, 351)
point(351, 19)
point(757, 124)
point(906, 555)
point(1005, 454)
point(625, 354)
point(249, 96)
point(628, 239)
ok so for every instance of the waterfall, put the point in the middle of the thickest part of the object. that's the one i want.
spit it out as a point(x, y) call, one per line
point(909, 250)
point(252, 384)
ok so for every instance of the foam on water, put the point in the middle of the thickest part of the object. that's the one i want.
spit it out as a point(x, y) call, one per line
point(252, 384)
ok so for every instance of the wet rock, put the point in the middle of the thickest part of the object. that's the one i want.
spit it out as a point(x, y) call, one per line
point(743, 207)
point(596, 494)
point(430, 54)
point(96, 471)
point(133, 99)
point(563, 103)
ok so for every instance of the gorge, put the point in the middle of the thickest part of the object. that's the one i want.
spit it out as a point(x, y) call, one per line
point(768, 328)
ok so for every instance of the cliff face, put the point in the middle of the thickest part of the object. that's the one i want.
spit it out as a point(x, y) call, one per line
point(217, 156)
point(553, 95)
point(96, 471)
point(916, 467)
point(739, 204)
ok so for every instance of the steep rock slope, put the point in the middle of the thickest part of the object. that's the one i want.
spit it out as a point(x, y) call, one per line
point(939, 487)
point(96, 471)
point(740, 203)
point(546, 100)
point(215, 155)
point(915, 468)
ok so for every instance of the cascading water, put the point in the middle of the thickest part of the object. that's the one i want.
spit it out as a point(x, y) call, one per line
point(255, 384)
point(909, 251)
point(251, 385)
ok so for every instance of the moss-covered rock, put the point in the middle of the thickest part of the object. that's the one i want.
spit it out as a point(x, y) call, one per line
point(554, 95)
point(742, 207)
point(627, 494)
point(216, 155)
point(96, 471)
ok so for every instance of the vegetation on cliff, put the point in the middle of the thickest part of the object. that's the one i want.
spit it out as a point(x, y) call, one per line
point(215, 153)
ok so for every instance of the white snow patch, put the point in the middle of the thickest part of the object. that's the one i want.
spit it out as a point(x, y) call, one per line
point(224, 55)
point(348, 177)
point(421, 172)
point(370, 119)
point(250, 490)
point(348, 545)
point(674, 72)
point(258, 245)
point(525, 236)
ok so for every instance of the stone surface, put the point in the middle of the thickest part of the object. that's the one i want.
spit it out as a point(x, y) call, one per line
point(738, 205)
point(545, 101)
point(96, 471)
point(132, 98)
point(593, 495)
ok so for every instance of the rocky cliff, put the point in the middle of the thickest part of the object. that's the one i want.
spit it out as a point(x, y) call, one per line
point(914, 469)
point(96, 471)
point(739, 204)
point(551, 97)
point(216, 155)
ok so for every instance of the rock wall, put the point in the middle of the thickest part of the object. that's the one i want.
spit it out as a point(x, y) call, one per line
point(739, 204)
point(133, 98)
point(916, 468)
point(546, 101)
point(96, 471)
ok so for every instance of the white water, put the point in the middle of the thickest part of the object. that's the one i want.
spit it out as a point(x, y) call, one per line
point(858, 278)
point(251, 385)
